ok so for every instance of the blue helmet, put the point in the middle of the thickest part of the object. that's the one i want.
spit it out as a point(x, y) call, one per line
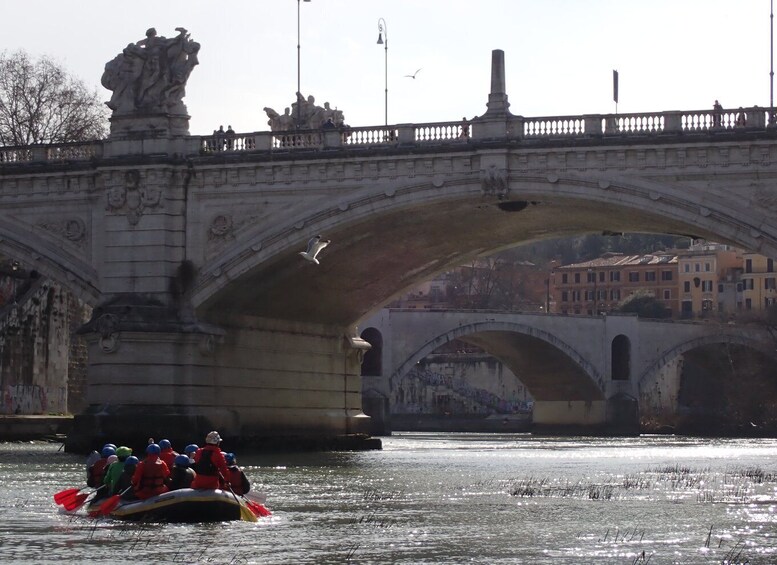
point(230, 457)
point(153, 448)
point(191, 448)
point(113, 445)
point(165, 444)
point(181, 460)
point(108, 451)
point(131, 460)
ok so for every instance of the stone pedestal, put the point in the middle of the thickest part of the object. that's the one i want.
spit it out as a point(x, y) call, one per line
point(260, 383)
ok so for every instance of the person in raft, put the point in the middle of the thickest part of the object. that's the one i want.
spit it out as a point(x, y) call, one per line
point(151, 474)
point(181, 476)
point(236, 477)
point(209, 464)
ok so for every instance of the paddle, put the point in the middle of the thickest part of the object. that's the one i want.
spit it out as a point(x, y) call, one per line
point(111, 503)
point(78, 500)
point(258, 509)
point(60, 496)
point(246, 514)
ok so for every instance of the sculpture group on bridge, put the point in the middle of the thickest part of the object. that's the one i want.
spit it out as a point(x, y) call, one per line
point(150, 75)
point(304, 114)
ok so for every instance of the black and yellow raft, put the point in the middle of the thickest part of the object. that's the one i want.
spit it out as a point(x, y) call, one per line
point(179, 506)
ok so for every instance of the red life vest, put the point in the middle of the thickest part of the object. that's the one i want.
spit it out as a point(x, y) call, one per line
point(168, 456)
point(98, 472)
point(149, 478)
point(210, 466)
point(237, 480)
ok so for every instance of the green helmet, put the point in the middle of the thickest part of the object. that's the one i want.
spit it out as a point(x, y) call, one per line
point(123, 452)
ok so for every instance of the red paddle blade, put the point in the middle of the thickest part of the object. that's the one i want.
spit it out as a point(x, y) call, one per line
point(109, 505)
point(258, 509)
point(64, 494)
point(76, 502)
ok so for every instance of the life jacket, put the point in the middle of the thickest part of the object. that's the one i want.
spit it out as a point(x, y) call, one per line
point(205, 465)
point(168, 456)
point(149, 477)
point(97, 473)
point(181, 478)
point(238, 480)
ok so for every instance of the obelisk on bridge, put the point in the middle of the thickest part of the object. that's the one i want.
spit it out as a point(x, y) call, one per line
point(497, 98)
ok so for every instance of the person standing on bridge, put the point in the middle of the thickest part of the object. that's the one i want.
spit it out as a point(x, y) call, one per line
point(717, 114)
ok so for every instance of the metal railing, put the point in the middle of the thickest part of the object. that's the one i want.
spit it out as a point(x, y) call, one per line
point(438, 133)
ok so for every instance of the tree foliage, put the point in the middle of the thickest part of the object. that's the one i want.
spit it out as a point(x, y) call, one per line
point(644, 305)
point(40, 102)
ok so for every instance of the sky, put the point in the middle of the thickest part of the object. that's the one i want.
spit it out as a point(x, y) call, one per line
point(559, 54)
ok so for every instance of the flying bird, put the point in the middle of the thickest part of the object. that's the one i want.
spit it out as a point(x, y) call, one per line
point(413, 75)
point(315, 245)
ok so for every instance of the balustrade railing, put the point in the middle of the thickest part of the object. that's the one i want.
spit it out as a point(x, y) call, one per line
point(446, 133)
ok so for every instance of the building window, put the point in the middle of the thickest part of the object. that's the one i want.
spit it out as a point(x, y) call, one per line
point(666, 275)
point(748, 265)
point(747, 284)
point(687, 286)
point(769, 302)
point(601, 276)
point(615, 276)
point(687, 268)
point(615, 294)
point(697, 267)
point(707, 267)
point(577, 277)
point(633, 277)
point(564, 296)
point(591, 277)
point(667, 294)
point(720, 288)
point(706, 305)
point(769, 283)
point(748, 303)
point(770, 265)
point(564, 278)
point(706, 286)
point(739, 287)
point(650, 276)
point(589, 294)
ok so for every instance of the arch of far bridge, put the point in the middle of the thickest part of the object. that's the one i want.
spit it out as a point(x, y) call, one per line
point(586, 367)
point(678, 350)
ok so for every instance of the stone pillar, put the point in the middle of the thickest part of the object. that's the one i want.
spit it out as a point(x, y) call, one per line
point(260, 383)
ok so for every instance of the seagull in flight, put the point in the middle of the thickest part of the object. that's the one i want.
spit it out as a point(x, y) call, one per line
point(413, 75)
point(315, 245)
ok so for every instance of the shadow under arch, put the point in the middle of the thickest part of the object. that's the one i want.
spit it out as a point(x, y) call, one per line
point(549, 368)
point(730, 338)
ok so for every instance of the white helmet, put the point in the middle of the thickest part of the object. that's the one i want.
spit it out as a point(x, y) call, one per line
point(213, 438)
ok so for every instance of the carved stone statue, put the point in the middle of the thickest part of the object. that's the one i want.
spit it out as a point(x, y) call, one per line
point(149, 77)
point(304, 115)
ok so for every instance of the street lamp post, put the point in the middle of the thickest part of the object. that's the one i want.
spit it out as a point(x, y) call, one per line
point(299, 88)
point(383, 32)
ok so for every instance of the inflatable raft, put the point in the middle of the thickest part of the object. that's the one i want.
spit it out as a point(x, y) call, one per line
point(184, 505)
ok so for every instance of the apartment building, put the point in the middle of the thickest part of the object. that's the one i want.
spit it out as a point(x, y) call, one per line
point(707, 273)
point(757, 285)
point(598, 286)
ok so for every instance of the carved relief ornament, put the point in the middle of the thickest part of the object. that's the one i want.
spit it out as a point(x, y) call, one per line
point(132, 197)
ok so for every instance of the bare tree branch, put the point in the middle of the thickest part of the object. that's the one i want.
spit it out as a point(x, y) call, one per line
point(41, 103)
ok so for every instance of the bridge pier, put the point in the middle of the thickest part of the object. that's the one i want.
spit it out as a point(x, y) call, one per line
point(261, 383)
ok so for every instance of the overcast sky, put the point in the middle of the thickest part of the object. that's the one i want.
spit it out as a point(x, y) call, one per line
point(559, 54)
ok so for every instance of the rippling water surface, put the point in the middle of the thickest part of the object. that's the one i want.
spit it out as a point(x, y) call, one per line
point(436, 498)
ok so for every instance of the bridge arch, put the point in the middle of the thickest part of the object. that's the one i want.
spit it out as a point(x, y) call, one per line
point(566, 377)
point(372, 226)
point(678, 350)
point(50, 260)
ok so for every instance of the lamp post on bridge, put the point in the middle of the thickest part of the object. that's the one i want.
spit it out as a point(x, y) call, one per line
point(383, 32)
point(299, 89)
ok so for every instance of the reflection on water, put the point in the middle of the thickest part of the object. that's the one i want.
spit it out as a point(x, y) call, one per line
point(437, 498)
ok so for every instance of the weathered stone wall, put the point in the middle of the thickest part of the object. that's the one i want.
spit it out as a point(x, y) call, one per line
point(458, 384)
point(35, 349)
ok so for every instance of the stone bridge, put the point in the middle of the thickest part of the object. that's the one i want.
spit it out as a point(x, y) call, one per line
point(582, 371)
point(206, 316)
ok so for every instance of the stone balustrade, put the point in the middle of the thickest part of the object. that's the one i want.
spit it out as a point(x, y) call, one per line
point(446, 133)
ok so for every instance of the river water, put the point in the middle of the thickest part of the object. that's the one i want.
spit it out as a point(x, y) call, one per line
point(436, 498)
